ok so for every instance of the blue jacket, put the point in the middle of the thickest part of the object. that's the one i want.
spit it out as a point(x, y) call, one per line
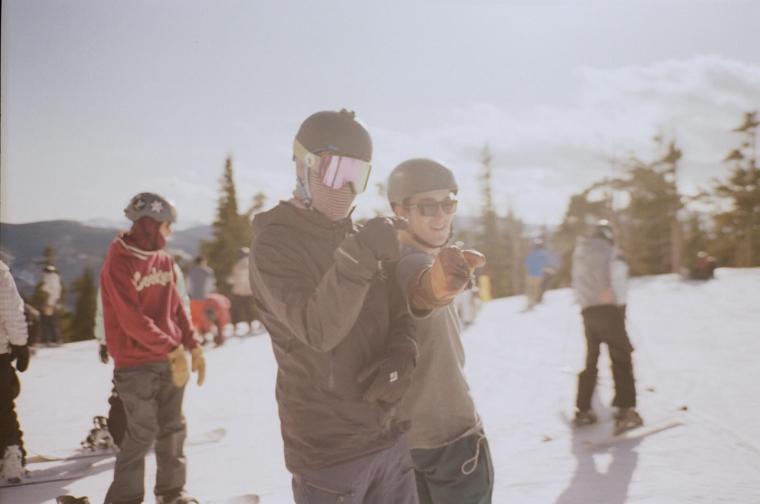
point(536, 262)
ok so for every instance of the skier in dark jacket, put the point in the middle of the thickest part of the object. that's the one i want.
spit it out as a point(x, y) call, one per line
point(449, 448)
point(341, 337)
point(600, 278)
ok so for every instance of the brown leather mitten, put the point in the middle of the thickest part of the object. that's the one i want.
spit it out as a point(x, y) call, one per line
point(474, 258)
point(178, 366)
point(198, 364)
point(450, 274)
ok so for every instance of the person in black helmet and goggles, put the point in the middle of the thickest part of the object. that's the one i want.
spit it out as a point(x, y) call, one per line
point(341, 336)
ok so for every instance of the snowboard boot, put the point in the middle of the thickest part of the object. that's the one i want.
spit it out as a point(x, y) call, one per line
point(626, 419)
point(176, 497)
point(585, 417)
point(99, 437)
point(12, 465)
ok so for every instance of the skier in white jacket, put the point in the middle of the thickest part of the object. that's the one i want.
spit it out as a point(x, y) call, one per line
point(52, 288)
point(13, 347)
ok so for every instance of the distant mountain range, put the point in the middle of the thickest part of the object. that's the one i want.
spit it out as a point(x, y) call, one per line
point(77, 246)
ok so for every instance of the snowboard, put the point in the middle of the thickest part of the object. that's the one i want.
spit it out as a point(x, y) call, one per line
point(69, 472)
point(212, 436)
point(602, 433)
point(240, 499)
point(632, 434)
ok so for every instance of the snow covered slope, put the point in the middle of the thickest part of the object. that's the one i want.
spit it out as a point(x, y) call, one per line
point(697, 347)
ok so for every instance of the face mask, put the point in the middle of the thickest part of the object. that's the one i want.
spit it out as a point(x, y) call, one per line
point(335, 204)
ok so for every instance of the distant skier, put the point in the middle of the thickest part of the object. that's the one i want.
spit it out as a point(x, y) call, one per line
point(52, 290)
point(452, 460)
point(13, 347)
point(341, 337)
point(599, 278)
point(536, 263)
point(703, 267)
point(243, 305)
point(147, 333)
point(200, 283)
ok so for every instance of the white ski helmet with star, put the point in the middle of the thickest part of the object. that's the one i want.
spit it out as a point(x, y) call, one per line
point(155, 206)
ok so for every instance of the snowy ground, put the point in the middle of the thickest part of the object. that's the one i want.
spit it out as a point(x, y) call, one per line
point(697, 345)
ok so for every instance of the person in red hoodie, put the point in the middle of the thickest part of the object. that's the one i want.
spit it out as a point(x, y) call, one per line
point(148, 333)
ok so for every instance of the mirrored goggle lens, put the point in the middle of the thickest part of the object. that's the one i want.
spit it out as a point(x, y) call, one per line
point(430, 208)
point(338, 171)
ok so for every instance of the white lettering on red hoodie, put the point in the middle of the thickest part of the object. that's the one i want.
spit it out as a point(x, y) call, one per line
point(143, 313)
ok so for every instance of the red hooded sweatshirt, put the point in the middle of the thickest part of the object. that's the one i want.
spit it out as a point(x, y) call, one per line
point(142, 311)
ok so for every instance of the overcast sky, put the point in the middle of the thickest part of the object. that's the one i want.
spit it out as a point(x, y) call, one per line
point(102, 99)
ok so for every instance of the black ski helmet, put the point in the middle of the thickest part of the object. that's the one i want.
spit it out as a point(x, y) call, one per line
point(335, 132)
point(418, 175)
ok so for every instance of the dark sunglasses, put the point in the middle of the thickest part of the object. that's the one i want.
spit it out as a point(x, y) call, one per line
point(428, 208)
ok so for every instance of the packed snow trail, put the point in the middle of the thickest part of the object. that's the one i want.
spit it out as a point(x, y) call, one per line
point(697, 345)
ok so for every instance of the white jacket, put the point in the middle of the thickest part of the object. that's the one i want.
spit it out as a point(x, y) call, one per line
point(13, 329)
point(239, 278)
point(51, 285)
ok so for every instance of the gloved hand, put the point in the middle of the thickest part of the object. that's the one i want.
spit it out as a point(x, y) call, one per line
point(198, 364)
point(20, 353)
point(391, 377)
point(103, 353)
point(178, 366)
point(380, 236)
point(452, 270)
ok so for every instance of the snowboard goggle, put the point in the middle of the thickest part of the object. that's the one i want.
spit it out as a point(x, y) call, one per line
point(429, 207)
point(333, 170)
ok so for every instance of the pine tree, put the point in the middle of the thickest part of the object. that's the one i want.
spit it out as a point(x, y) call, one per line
point(741, 224)
point(231, 231)
point(582, 211)
point(488, 238)
point(649, 225)
point(513, 249)
point(82, 324)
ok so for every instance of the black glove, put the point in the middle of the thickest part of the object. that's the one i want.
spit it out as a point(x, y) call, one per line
point(391, 377)
point(20, 353)
point(103, 352)
point(380, 236)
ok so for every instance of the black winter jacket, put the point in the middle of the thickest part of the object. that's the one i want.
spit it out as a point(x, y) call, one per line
point(331, 313)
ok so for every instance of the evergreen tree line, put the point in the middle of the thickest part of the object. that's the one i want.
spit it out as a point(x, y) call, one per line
point(658, 230)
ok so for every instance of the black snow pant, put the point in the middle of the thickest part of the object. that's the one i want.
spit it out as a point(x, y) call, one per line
point(10, 430)
point(153, 407)
point(117, 417)
point(383, 477)
point(606, 324)
point(49, 329)
point(458, 473)
point(242, 309)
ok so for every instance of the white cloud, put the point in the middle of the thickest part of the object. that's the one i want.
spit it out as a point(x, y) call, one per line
point(542, 158)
